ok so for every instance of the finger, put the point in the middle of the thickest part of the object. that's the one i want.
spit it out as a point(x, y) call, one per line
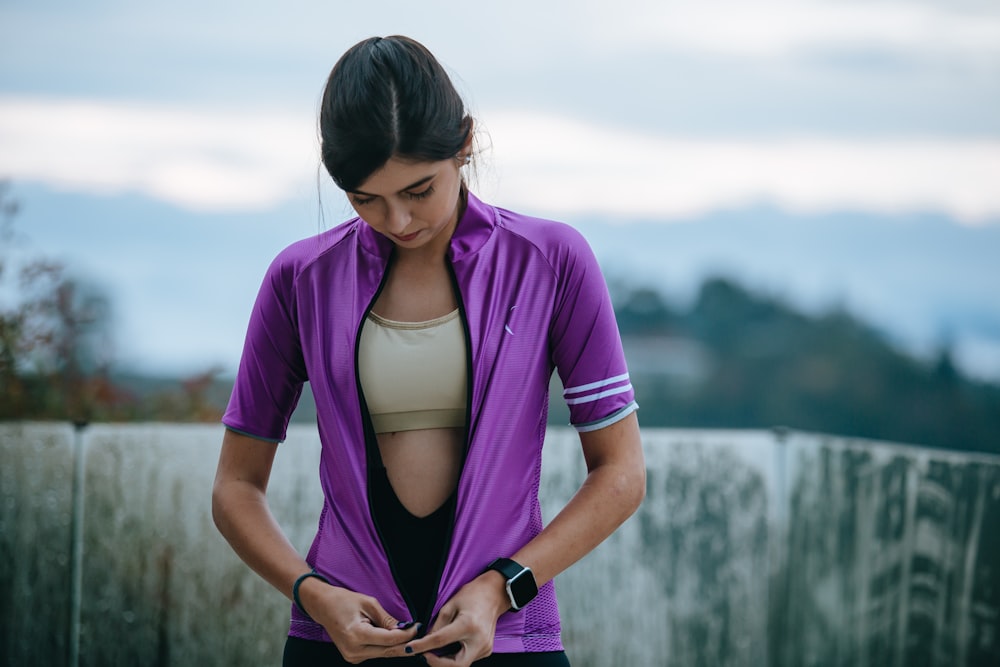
point(382, 621)
point(379, 617)
point(437, 640)
point(447, 616)
point(381, 638)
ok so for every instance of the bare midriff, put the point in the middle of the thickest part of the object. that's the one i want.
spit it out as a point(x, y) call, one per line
point(423, 466)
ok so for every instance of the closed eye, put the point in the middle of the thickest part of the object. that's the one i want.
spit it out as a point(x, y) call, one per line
point(423, 194)
point(363, 198)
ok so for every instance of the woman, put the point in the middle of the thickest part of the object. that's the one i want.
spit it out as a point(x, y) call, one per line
point(428, 328)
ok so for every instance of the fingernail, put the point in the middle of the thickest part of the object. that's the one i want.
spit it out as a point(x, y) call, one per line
point(405, 625)
point(408, 649)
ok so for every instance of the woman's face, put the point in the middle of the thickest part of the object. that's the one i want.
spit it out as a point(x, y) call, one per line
point(415, 204)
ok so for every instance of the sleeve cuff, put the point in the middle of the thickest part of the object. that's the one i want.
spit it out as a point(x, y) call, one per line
point(615, 416)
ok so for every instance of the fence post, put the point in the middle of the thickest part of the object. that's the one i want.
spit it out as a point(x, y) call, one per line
point(76, 547)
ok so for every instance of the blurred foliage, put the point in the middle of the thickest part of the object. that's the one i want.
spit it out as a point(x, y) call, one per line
point(761, 363)
point(56, 348)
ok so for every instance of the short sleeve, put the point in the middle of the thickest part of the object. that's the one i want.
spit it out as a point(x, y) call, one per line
point(586, 345)
point(272, 371)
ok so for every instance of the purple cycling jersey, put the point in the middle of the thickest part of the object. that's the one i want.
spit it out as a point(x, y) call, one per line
point(532, 299)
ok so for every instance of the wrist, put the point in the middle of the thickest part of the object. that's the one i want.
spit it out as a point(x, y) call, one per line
point(520, 587)
point(305, 590)
point(496, 590)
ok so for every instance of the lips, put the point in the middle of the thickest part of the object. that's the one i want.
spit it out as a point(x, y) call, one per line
point(406, 237)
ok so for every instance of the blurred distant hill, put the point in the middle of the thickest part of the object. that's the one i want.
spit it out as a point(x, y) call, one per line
point(736, 359)
point(920, 279)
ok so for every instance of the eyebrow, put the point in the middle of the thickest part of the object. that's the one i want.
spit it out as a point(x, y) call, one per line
point(415, 184)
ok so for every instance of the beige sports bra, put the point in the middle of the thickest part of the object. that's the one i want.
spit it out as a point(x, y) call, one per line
point(414, 373)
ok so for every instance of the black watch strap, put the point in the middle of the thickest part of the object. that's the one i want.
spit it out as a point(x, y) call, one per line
point(507, 567)
point(521, 586)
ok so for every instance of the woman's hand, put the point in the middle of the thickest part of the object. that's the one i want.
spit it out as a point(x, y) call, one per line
point(467, 622)
point(357, 624)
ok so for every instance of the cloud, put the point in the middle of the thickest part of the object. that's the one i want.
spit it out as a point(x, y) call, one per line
point(217, 161)
point(560, 166)
point(778, 28)
point(961, 30)
point(202, 160)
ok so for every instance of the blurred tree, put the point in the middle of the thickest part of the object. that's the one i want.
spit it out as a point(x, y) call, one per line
point(56, 348)
point(54, 335)
point(643, 311)
point(14, 330)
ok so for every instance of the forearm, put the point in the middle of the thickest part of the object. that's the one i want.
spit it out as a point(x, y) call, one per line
point(242, 515)
point(610, 495)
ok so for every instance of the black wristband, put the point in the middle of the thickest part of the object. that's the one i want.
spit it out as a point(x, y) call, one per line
point(298, 582)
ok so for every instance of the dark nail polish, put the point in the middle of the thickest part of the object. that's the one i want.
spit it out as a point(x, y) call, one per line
point(405, 625)
point(408, 649)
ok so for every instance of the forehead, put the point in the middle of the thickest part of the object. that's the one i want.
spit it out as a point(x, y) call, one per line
point(398, 174)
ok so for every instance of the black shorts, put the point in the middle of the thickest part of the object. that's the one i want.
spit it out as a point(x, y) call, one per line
point(307, 653)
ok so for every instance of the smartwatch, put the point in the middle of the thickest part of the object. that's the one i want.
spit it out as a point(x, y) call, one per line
point(521, 587)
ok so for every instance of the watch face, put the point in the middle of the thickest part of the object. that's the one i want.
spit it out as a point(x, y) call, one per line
point(522, 588)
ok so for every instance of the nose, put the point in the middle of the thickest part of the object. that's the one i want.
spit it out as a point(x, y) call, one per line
point(397, 218)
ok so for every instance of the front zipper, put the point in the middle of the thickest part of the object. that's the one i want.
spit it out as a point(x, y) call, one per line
point(374, 458)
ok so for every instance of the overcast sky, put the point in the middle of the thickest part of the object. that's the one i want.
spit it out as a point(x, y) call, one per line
point(687, 106)
point(619, 111)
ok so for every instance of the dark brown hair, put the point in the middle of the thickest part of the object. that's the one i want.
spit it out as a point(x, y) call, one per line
point(388, 97)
